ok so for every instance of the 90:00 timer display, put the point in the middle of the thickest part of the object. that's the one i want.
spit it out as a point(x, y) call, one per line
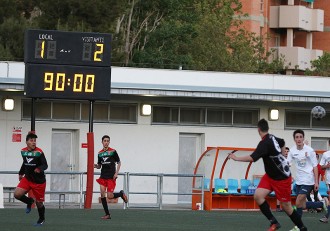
point(80, 82)
point(64, 81)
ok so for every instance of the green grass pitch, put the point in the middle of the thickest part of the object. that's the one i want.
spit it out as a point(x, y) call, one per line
point(12, 219)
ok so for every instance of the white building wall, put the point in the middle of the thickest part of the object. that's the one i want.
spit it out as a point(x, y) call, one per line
point(146, 148)
point(143, 148)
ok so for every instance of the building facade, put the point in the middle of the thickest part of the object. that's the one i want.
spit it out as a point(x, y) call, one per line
point(190, 111)
point(298, 29)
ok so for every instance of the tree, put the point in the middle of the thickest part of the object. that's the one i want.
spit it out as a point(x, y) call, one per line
point(14, 19)
point(223, 45)
point(8, 10)
point(165, 38)
point(67, 15)
point(320, 66)
point(12, 38)
point(193, 34)
point(77, 15)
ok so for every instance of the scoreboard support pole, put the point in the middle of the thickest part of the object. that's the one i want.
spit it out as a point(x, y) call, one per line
point(90, 160)
point(33, 115)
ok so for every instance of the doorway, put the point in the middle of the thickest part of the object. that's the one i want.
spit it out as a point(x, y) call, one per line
point(190, 149)
point(64, 153)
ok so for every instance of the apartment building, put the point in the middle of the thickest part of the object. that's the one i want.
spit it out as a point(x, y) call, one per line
point(298, 29)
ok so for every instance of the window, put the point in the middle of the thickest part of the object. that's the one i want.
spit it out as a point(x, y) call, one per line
point(66, 111)
point(297, 119)
point(79, 111)
point(277, 41)
point(303, 119)
point(192, 116)
point(165, 114)
point(324, 123)
point(205, 116)
point(123, 113)
point(85, 111)
point(43, 110)
point(101, 112)
point(245, 117)
point(219, 116)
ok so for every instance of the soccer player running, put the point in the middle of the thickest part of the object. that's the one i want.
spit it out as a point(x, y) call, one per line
point(306, 178)
point(325, 164)
point(32, 177)
point(277, 177)
point(107, 159)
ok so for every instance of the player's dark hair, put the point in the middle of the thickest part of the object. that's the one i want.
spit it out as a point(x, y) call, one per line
point(263, 125)
point(287, 148)
point(105, 136)
point(298, 131)
point(31, 136)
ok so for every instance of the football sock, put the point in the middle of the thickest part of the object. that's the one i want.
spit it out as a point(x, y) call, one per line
point(315, 197)
point(116, 195)
point(105, 205)
point(26, 200)
point(314, 205)
point(264, 208)
point(300, 211)
point(41, 212)
point(296, 219)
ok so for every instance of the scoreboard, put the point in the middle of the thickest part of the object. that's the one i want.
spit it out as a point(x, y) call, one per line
point(67, 65)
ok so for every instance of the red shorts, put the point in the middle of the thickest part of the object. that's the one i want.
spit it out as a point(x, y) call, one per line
point(110, 184)
point(38, 190)
point(282, 188)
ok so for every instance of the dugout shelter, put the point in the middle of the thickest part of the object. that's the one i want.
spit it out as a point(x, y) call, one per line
point(228, 184)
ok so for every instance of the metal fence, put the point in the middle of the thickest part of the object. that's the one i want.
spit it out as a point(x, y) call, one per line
point(160, 191)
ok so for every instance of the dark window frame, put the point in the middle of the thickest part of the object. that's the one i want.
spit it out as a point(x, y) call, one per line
point(133, 108)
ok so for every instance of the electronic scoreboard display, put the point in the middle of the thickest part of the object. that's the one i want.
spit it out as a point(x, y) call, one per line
point(67, 65)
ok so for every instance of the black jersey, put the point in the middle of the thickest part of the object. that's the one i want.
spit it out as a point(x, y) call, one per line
point(32, 160)
point(108, 159)
point(269, 149)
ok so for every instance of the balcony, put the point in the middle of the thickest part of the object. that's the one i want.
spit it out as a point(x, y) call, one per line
point(298, 17)
point(298, 57)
